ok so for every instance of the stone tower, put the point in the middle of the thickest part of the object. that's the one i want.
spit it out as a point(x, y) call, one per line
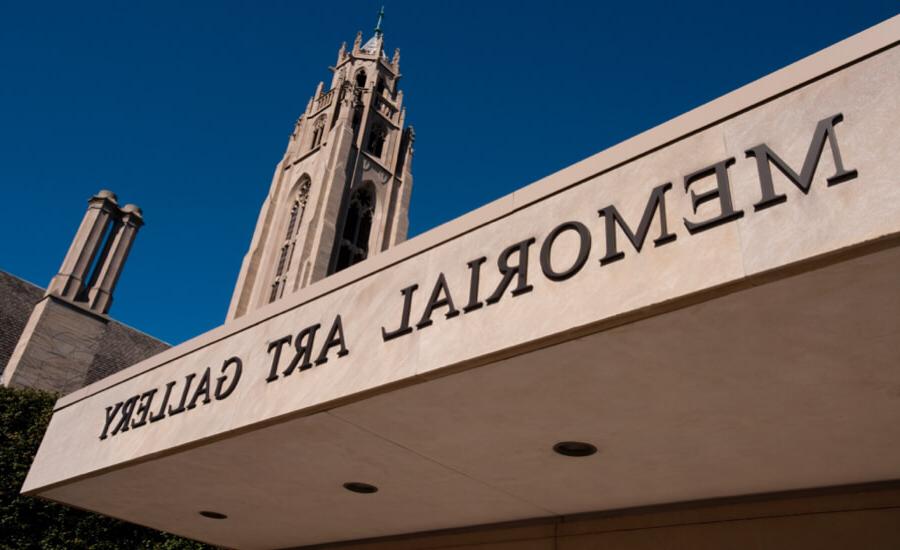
point(341, 192)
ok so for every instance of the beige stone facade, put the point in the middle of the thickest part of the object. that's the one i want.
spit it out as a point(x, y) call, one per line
point(341, 193)
point(712, 304)
point(836, 519)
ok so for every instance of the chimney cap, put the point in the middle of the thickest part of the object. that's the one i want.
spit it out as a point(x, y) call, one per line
point(106, 194)
point(133, 209)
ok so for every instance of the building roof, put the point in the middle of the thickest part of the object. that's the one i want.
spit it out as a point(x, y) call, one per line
point(122, 345)
point(17, 299)
point(371, 46)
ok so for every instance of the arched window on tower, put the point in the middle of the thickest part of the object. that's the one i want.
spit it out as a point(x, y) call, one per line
point(318, 132)
point(361, 79)
point(354, 245)
point(292, 222)
point(286, 253)
point(377, 136)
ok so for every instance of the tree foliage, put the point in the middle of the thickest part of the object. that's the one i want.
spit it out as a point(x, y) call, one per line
point(32, 523)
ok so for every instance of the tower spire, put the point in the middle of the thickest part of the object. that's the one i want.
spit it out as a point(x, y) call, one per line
point(378, 31)
point(357, 123)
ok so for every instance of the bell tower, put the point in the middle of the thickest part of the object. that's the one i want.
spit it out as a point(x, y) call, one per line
point(341, 192)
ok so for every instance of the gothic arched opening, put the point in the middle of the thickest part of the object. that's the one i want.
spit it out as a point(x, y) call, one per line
point(318, 132)
point(285, 255)
point(361, 79)
point(377, 136)
point(354, 244)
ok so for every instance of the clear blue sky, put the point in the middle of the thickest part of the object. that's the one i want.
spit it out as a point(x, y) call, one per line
point(185, 107)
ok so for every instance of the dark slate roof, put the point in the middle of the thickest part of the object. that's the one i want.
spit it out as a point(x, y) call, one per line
point(17, 299)
point(122, 346)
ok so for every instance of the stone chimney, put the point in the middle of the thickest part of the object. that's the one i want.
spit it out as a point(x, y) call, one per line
point(67, 328)
point(92, 266)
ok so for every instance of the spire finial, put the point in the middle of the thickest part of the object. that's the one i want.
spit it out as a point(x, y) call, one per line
point(378, 31)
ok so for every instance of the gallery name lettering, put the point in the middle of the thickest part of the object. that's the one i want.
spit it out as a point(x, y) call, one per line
point(513, 261)
point(175, 397)
point(179, 396)
point(294, 353)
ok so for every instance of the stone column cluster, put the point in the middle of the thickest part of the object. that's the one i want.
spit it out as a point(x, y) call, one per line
point(94, 262)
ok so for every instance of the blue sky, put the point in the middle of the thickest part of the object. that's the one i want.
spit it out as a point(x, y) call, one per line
point(184, 108)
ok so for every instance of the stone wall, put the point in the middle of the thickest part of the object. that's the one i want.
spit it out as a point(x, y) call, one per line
point(865, 517)
point(50, 344)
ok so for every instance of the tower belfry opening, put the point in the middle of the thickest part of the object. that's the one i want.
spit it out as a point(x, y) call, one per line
point(341, 192)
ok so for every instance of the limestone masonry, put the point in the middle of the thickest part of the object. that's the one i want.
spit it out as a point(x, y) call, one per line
point(341, 193)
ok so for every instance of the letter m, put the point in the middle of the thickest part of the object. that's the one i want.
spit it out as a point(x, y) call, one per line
point(612, 217)
point(765, 158)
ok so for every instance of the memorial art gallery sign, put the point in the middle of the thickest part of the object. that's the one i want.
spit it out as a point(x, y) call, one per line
point(655, 298)
point(314, 346)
